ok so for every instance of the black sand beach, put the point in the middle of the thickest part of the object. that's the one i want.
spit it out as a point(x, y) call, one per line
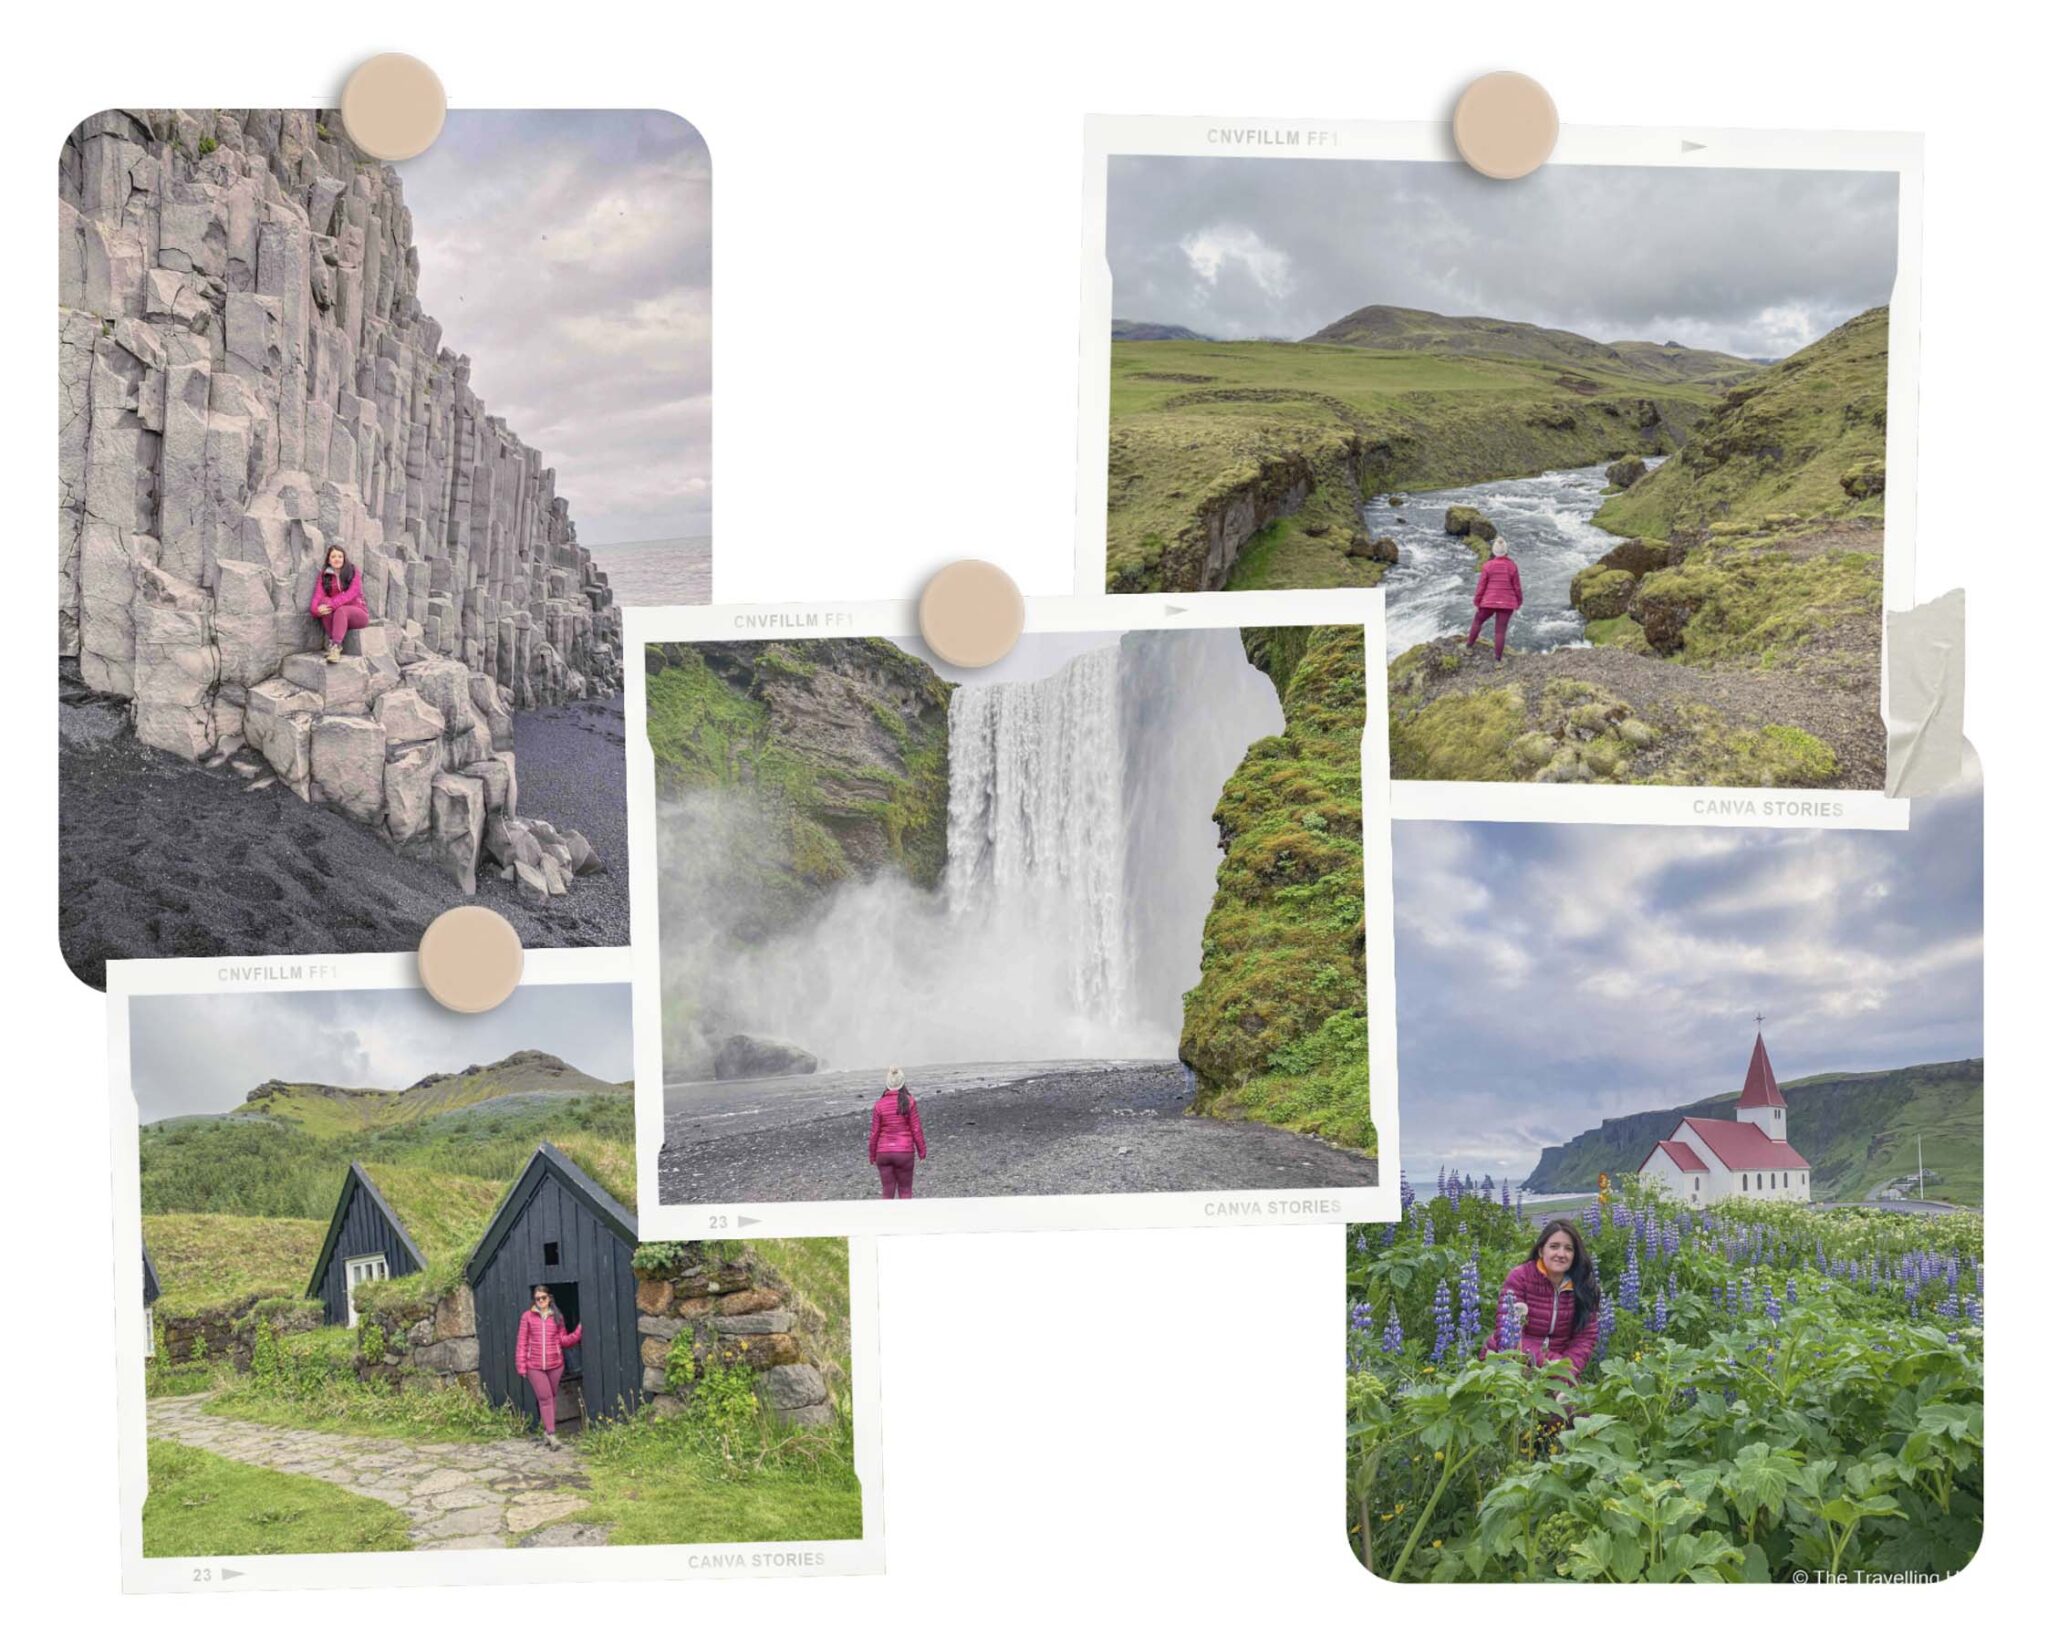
point(161, 858)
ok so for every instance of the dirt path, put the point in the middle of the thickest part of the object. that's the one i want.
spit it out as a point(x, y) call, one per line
point(1055, 1129)
point(479, 1495)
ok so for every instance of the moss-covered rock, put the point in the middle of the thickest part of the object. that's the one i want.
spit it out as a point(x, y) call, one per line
point(1460, 520)
point(1600, 594)
point(1637, 555)
point(1459, 736)
point(1625, 471)
point(839, 742)
point(1275, 1029)
point(1865, 480)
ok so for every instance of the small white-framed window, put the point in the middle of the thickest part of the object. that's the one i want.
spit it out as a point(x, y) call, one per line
point(369, 1267)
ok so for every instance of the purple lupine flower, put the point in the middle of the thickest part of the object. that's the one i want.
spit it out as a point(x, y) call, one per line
point(1446, 1324)
point(1407, 1194)
point(1631, 1280)
point(1606, 1327)
point(1470, 1332)
point(1504, 1202)
point(1772, 1312)
point(1428, 1231)
point(1390, 1340)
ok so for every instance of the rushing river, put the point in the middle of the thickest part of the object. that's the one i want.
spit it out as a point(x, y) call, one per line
point(1548, 522)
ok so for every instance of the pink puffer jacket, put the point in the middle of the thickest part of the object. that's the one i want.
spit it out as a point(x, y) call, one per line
point(1500, 585)
point(1548, 1333)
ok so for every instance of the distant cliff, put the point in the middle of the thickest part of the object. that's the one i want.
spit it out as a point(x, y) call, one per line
point(246, 378)
point(1859, 1130)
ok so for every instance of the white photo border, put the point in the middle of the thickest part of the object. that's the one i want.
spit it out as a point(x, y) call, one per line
point(1677, 147)
point(727, 623)
point(128, 980)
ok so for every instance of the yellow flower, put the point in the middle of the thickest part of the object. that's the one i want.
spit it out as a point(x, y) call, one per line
point(1436, 1543)
point(1439, 1456)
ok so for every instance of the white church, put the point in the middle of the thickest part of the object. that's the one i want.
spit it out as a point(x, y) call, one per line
point(1709, 1159)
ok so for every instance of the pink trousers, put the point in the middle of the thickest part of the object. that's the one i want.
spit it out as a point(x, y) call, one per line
point(545, 1385)
point(897, 1169)
point(339, 623)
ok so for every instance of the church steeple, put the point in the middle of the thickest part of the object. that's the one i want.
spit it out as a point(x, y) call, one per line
point(1762, 1102)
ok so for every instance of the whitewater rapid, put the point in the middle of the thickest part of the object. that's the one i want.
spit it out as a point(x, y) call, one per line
point(1548, 522)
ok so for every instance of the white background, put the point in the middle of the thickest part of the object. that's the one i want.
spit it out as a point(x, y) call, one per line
point(1073, 1422)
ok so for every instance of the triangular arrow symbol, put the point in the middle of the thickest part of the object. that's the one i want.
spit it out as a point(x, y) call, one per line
point(743, 1221)
point(1692, 146)
point(1175, 609)
point(231, 1574)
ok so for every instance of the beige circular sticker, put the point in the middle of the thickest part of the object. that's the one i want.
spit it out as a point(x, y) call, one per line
point(470, 959)
point(1505, 125)
point(971, 613)
point(393, 106)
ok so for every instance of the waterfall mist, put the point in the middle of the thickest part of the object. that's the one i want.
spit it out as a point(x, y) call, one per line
point(1081, 861)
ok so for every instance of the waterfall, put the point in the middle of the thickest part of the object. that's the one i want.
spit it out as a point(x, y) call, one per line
point(1080, 865)
point(1035, 826)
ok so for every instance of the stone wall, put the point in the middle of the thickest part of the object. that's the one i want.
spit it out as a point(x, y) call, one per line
point(246, 377)
point(430, 1344)
point(228, 1331)
point(732, 1315)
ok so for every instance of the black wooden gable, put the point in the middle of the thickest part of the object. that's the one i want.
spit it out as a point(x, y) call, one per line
point(548, 1161)
point(363, 1223)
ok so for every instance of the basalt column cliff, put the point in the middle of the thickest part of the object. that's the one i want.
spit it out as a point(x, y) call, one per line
point(246, 378)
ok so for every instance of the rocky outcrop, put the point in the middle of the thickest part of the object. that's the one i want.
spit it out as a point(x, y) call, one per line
point(246, 378)
point(742, 1057)
point(1460, 520)
point(1624, 472)
point(702, 1307)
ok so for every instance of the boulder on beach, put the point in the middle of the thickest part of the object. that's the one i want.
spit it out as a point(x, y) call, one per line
point(741, 1056)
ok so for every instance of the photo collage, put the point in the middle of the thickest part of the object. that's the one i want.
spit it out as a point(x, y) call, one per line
point(1454, 807)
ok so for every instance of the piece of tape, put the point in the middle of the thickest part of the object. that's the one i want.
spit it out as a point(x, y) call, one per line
point(1924, 724)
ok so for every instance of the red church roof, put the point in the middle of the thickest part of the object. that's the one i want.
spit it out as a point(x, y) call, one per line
point(1678, 1151)
point(1760, 1088)
point(1743, 1147)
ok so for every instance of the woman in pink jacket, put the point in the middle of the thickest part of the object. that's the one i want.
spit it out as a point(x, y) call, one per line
point(1557, 1298)
point(537, 1353)
point(1499, 594)
point(895, 1132)
point(338, 601)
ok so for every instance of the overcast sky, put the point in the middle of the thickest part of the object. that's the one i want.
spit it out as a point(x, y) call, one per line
point(568, 255)
point(204, 1052)
point(1554, 975)
point(1036, 655)
point(1754, 262)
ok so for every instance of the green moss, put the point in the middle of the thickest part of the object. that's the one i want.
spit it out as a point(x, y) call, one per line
point(1620, 631)
point(1793, 441)
point(1748, 597)
point(1274, 1029)
point(1774, 756)
point(1461, 736)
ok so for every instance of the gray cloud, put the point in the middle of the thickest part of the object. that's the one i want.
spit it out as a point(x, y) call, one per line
point(1553, 975)
point(204, 1052)
point(1754, 262)
point(569, 256)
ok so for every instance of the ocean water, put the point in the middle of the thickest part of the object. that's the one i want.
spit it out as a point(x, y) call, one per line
point(675, 570)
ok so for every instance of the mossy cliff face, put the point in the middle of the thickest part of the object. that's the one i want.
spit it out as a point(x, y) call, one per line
point(1276, 1027)
point(1806, 437)
point(840, 744)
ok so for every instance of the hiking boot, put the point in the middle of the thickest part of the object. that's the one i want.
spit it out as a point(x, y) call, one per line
point(333, 653)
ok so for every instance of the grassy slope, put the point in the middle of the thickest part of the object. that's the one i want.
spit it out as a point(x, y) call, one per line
point(815, 1270)
point(1192, 423)
point(203, 1505)
point(1393, 327)
point(204, 1259)
point(1276, 1027)
point(1857, 1130)
point(1783, 444)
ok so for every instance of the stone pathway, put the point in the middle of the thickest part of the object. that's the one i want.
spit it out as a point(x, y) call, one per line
point(454, 1496)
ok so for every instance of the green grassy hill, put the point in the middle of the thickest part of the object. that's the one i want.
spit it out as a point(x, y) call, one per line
point(1804, 437)
point(323, 1108)
point(206, 1259)
point(1677, 361)
point(1244, 464)
point(1857, 1130)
